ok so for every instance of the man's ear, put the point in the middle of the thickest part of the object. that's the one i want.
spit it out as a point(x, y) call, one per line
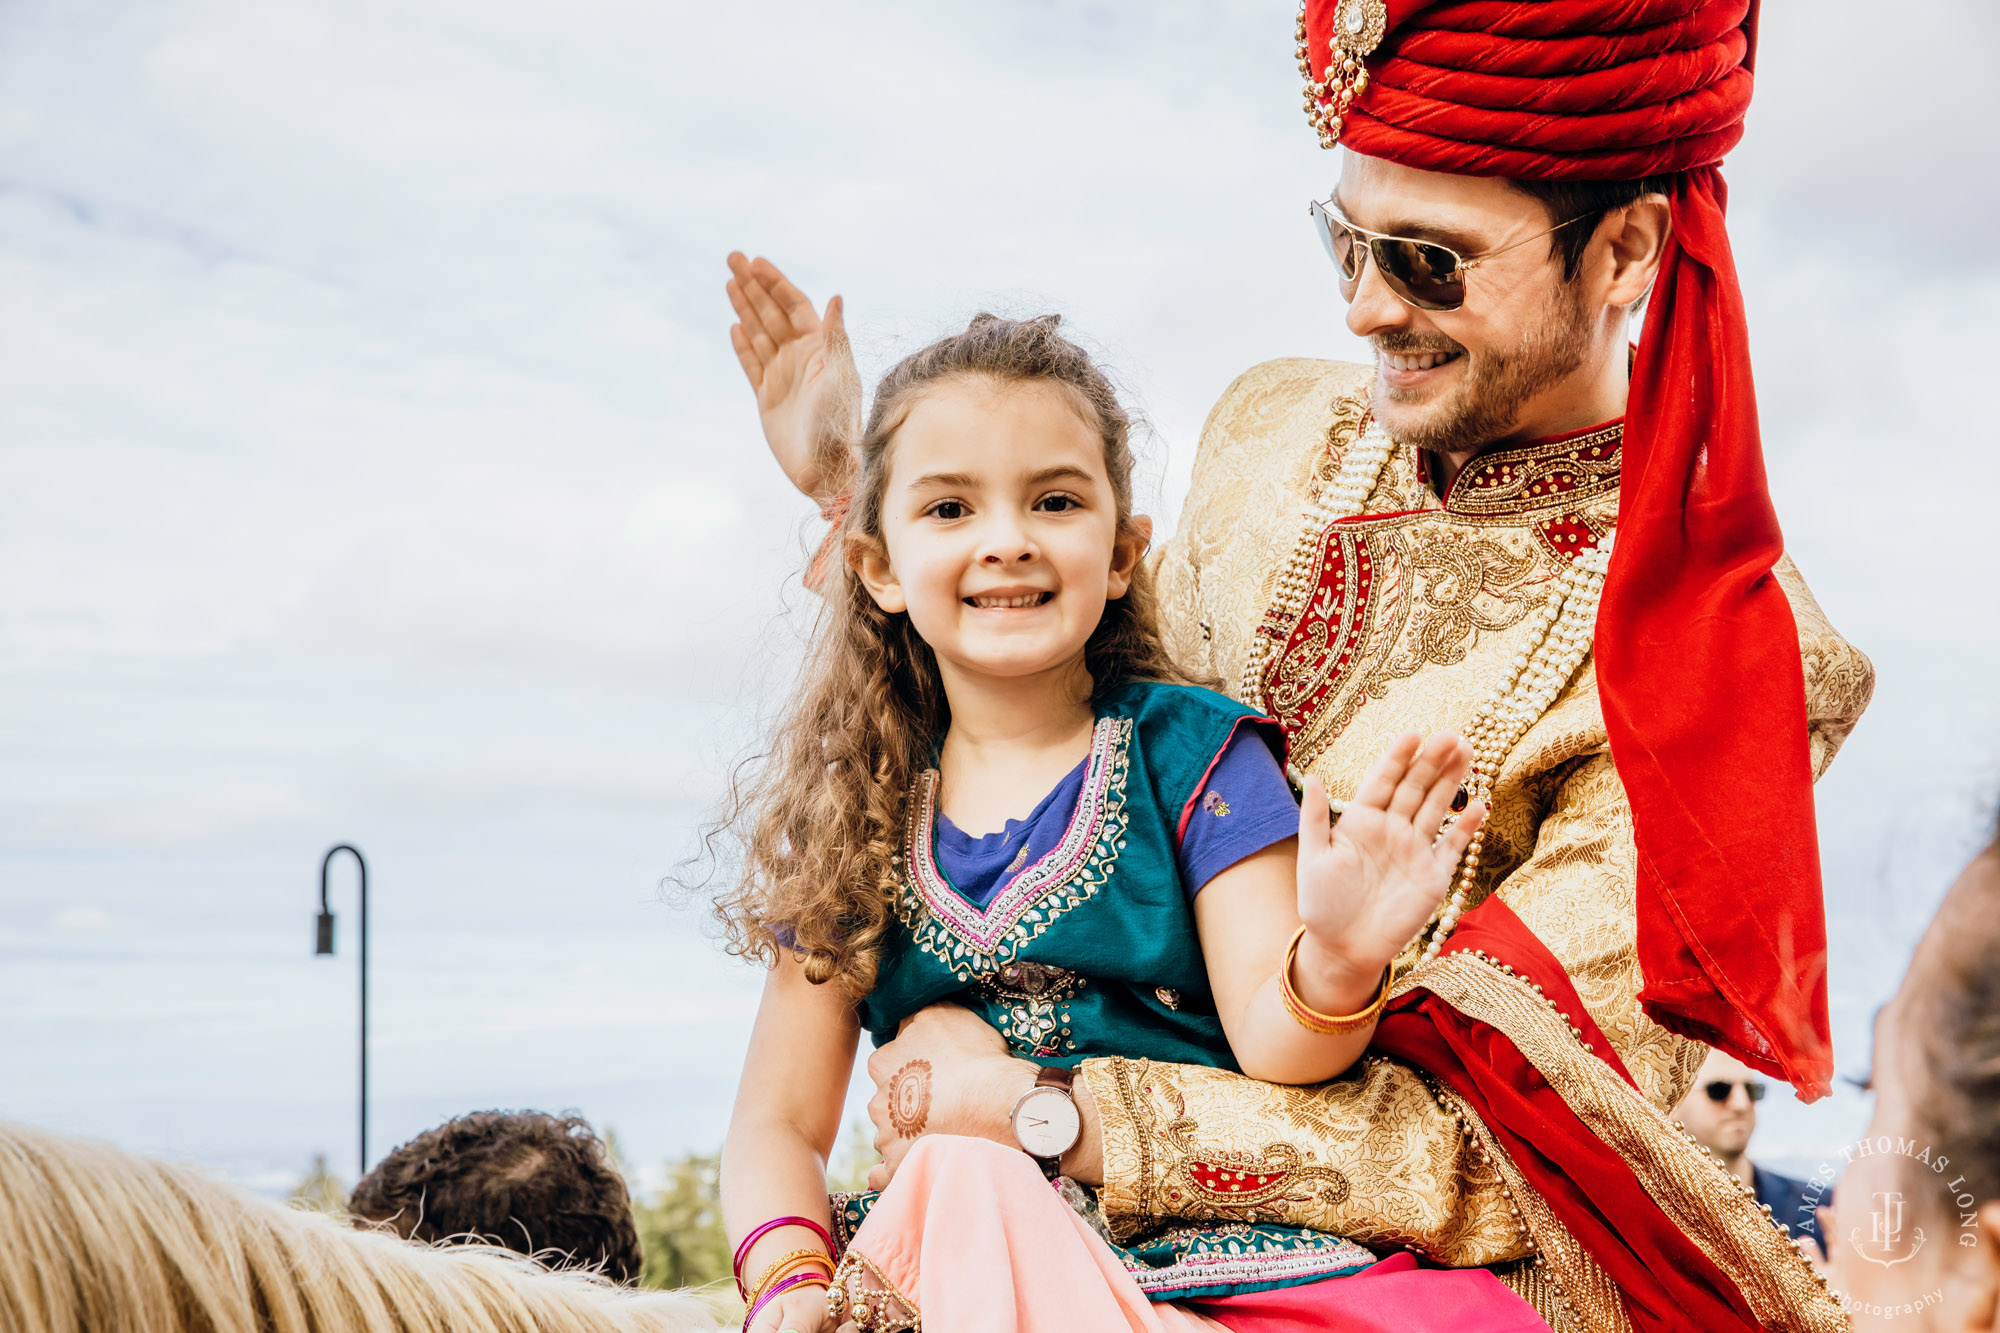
point(1635, 239)
point(869, 559)
point(1134, 537)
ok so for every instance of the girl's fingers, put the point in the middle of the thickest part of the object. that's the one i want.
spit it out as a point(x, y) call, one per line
point(1417, 778)
point(1457, 761)
point(753, 323)
point(1459, 836)
point(797, 306)
point(834, 328)
point(753, 365)
point(1379, 783)
point(768, 309)
point(1315, 820)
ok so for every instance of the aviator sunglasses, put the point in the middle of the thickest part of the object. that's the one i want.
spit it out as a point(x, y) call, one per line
point(1718, 1091)
point(1427, 275)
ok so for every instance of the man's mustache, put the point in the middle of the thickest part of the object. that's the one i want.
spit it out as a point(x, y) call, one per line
point(1415, 342)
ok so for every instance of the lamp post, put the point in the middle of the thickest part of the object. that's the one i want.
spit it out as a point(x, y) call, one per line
point(323, 944)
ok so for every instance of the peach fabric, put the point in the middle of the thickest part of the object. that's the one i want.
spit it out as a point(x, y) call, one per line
point(972, 1235)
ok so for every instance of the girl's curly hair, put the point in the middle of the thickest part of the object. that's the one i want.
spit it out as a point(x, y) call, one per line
point(822, 818)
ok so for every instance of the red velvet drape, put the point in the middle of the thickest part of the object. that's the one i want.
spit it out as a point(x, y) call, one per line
point(1669, 1284)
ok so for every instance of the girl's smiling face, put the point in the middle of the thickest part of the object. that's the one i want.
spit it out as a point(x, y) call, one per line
point(1000, 531)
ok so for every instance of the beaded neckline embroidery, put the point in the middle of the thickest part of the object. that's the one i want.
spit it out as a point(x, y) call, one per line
point(1561, 631)
point(978, 942)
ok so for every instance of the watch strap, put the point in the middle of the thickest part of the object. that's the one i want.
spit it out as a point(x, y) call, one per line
point(1063, 1081)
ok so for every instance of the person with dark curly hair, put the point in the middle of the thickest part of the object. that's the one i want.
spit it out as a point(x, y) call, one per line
point(537, 1184)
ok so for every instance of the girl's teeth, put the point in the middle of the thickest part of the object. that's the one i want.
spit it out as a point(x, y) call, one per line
point(1009, 603)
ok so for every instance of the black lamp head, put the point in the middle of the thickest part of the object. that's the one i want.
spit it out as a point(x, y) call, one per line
point(323, 941)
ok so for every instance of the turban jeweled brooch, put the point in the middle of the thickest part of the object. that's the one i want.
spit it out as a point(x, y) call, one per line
point(1358, 27)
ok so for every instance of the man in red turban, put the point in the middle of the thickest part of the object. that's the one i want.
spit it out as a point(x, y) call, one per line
point(1519, 527)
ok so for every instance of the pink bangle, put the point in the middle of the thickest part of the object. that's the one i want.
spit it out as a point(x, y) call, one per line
point(743, 1250)
point(795, 1280)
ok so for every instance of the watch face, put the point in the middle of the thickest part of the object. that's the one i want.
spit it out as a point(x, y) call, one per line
point(1046, 1123)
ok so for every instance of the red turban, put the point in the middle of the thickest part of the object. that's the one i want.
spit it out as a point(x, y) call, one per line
point(1697, 654)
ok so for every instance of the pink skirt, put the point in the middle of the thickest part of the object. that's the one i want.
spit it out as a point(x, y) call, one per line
point(970, 1238)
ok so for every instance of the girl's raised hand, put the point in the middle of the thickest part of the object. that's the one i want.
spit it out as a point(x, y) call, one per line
point(1368, 884)
point(802, 369)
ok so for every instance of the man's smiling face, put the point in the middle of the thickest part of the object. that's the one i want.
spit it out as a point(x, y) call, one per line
point(1453, 380)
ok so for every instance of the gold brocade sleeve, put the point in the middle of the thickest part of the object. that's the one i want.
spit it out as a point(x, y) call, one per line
point(1373, 1156)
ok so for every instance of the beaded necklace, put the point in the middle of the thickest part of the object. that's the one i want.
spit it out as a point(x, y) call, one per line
point(1560, 634)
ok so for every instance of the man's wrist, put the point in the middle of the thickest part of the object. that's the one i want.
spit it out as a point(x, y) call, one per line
point(1011, 1083)
point(1084, 1162)
point(1330, 981)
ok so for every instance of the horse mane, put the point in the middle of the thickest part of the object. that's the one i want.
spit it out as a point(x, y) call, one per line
point(93, 1237)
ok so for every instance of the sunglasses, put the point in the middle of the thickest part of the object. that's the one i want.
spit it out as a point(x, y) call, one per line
point(1427, 275)
point(1718, 1091)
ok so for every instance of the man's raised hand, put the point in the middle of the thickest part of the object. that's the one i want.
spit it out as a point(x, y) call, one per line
point(1368, 884)
point(800, 365)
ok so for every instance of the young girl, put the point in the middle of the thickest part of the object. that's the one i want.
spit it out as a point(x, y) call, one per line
point(994, 788)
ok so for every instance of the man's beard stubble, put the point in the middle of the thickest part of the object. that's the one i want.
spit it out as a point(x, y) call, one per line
point(1486, 406)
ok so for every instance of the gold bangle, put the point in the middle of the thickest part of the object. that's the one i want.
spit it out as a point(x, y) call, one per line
point(783, 1269)
point(1325, 1025)
point(788, 1265)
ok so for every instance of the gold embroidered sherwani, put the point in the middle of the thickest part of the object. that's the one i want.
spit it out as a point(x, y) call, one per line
point(1420, 605)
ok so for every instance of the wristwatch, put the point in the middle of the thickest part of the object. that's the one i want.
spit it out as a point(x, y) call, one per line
point(1046, 1122)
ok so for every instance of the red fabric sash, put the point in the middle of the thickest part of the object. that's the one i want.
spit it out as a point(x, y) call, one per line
point(1669, 1284)
point(1701, 684)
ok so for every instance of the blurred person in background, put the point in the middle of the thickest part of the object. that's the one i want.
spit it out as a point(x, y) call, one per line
point(1721, 1112)
point(537, 1184)
point(1916, 1229)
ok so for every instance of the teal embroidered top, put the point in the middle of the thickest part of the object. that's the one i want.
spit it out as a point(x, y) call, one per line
point(1090, 950)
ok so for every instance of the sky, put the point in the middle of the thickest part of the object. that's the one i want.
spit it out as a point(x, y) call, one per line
point(374, 468)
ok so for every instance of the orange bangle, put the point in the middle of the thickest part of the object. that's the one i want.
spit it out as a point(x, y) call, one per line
point(1325, 1025)
point(785, 1267)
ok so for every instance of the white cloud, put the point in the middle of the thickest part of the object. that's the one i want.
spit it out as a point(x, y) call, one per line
point(81, 920)
point(190, 816)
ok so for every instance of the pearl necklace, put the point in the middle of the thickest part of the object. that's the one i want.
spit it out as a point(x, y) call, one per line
point(1561, 633)
point(1360, 470)
point(1560, 636)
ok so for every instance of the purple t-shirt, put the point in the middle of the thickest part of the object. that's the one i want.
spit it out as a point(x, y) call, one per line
point(1244, 807)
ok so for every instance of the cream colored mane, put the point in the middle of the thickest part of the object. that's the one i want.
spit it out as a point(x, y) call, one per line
point(94, 1239)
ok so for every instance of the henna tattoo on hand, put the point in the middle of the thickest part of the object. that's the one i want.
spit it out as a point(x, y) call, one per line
point(910, 1098)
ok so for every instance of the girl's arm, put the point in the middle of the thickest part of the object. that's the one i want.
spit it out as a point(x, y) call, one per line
point(1362, 889)
point(784, 1126)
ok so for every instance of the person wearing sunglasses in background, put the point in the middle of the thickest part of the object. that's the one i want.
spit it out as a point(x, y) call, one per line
point(1721, 1112)
point(1428, 542)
